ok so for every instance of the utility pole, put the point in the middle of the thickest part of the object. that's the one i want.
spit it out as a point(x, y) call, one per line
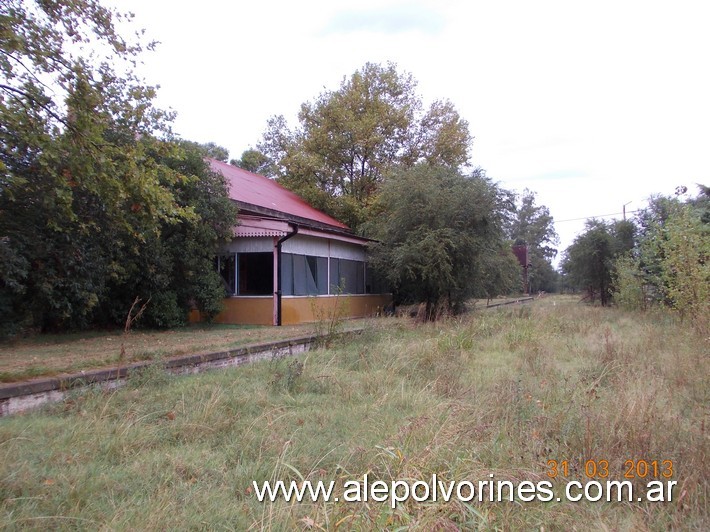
point(623, 208)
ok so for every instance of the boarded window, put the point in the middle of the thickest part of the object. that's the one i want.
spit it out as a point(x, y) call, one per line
point(303, 275)
point(347, 276)
point(286, 274)
point(256, 274)
point(320, 266)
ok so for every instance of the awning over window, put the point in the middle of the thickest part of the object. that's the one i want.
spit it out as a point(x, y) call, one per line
point(252, 226)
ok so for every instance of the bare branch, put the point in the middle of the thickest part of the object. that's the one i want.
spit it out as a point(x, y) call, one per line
point(131, 318)
point(29, 71)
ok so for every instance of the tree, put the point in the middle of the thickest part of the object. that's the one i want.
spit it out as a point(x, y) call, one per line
point(673, 260)
point(211, 149)
point(702, 203)
point(85, 190)
point(72, 135)
point(589, 261)
point(175, 267)
point(47, 49)
point(441, 237)
point(685, 264)
point(533, 226)
point(629, 290)
point(254, 161)
point(349, 139)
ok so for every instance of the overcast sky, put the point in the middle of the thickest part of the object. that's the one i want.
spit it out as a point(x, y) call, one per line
point(590, 104)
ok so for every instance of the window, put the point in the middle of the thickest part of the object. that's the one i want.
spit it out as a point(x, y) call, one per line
point(286, 274)
point(252, 274)
point(347, 276)
point(303, 275)
point(226, 265)
point(256, 274)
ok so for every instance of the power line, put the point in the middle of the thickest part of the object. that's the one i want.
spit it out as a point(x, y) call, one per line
point(597, 216)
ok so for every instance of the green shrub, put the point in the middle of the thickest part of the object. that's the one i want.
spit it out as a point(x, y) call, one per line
point(164, 312)
point(628, 284)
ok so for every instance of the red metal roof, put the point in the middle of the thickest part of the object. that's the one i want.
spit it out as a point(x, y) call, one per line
point(261, 191)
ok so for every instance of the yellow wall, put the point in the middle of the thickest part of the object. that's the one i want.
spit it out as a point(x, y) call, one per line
point(294, 310)
point(308, 309)
point(243, 311)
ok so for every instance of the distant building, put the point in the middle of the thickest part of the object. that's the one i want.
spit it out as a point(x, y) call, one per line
point(289, 263)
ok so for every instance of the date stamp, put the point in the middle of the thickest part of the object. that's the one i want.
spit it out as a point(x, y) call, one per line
point(603, 480)
point(632, 469)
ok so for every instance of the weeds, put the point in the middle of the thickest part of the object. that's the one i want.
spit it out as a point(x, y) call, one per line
point(499, 392)
point(287, 375)
point(152, 374)
point(329, 318)
point(45, 355)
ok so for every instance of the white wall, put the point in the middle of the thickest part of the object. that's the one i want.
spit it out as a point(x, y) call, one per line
point(250, 245)
point(298, 245)
point(344, 250)
point(321, 247)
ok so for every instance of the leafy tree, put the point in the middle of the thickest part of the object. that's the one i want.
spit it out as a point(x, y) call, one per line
point(702, 203)
point(629, 292)
point(500, 273)
point(685, 264)
point(72, 135)
point(254, 161)
point(85, 189)
point(589, 261)
point(175, 267)
point(443, 138)
point(209, 149)
point(349, 139)
point(673, 260)
point(441, 237)
point(533, 226)
point(650, 222)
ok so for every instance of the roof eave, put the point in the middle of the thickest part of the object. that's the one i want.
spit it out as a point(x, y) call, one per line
point(249, 208)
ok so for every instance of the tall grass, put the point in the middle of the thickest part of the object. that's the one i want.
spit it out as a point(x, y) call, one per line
point(498, 392)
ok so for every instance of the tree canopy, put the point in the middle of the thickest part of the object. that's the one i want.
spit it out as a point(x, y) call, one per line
point(372, 155)
point(440, 237)
point(589, 261)
point(254, 161)
point(661, 258)
point(92, 188)
point(348, 140)
point(671, 260)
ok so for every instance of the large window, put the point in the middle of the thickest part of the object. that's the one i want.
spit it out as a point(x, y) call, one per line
point(347, 276)
point(256, 274)
point(252, 274)
point(303, 275)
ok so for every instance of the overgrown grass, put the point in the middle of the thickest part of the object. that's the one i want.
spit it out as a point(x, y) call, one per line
point(50, 354)
point(498, 392)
